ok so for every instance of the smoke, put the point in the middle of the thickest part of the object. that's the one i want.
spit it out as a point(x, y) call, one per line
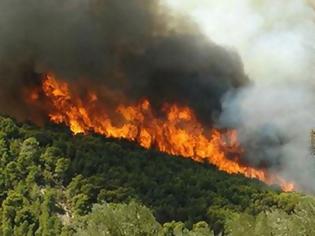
point(274, 114)
point(137, 48)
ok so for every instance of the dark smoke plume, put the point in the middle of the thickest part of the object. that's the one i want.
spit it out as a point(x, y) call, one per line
point(134, 47)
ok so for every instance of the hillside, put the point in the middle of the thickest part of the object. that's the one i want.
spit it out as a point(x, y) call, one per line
point(54, 183)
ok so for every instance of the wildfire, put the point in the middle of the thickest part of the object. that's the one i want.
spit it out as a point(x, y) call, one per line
point(178, 132)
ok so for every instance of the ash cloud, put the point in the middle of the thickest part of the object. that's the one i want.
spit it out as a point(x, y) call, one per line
point(136, 47)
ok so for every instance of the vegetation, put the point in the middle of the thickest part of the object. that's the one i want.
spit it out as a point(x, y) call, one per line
point(54, 183)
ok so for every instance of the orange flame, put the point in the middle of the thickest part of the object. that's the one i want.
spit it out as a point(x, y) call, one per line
point(178, 133)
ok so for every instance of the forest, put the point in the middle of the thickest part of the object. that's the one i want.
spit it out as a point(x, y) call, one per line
point(56, 183)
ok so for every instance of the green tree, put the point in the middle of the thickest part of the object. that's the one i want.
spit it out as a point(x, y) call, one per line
point(119, 219)
point(61, 168)
point(8, 127)
point(49, 223)
point(29, 154)
point(81, 204)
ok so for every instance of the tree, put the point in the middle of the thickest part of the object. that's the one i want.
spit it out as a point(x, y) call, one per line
point(8, 127)
point(49, 223)
point(118, 219)
point(29, 154)
point(61, 168)
point(81, 204)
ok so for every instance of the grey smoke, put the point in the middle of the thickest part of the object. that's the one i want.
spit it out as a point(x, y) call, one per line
point(274, 115)
point(274, 124)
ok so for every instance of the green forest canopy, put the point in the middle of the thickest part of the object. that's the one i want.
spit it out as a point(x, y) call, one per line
point(54, 183)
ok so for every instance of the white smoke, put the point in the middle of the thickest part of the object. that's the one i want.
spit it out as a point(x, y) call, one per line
point(275, 40)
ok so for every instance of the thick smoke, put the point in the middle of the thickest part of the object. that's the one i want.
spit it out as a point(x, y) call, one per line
point(276, 112)
point(135, 48)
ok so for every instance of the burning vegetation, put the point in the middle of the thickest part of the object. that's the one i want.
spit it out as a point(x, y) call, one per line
point(157, 80)
point(174, 130)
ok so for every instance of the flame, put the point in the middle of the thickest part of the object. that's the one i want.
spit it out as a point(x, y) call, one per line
point(178, 132)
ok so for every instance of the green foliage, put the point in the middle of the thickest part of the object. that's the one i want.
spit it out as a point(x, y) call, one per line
point(50, 224)
point(61, 168)
point(131, 219)
point(50, 182)
point(18, 218)
point(179, 229)
point(80, 204)
point(217, 216)
point(8, 128)
point(118, 195)
point(118, 219)
point(276, 222)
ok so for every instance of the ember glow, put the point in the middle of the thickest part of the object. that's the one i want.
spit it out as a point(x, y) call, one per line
point(177, 131)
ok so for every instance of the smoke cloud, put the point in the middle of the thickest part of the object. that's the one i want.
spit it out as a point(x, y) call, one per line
point(274, 114)
point(137, 48)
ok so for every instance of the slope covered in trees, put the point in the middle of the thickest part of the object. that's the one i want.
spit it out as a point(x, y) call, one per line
point(54, 183)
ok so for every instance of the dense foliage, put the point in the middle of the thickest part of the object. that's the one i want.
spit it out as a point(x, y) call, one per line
point(54, 183)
